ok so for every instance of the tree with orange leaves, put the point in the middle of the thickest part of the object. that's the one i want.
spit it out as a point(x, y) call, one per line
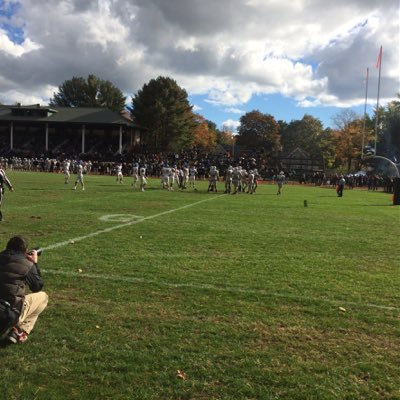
point(348, 141)
point(204, 137)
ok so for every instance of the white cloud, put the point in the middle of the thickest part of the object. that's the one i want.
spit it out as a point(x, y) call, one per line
point(15, 49)
point(234, 110)
point(196, 108)
point(13, 96)
point(312, 51)
point(231, 125)
point(103, 27)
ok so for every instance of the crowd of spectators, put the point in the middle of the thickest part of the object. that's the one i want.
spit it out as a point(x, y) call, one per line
point(154, 163)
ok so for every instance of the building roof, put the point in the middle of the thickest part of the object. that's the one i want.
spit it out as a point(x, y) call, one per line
point(78, 115)
point(299, 154)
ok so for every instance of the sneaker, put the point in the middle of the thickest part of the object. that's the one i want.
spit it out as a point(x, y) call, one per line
point(17, 335)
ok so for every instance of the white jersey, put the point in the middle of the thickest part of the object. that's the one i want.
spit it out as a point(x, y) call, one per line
point(142, 177)
point(79, 176)
point(67, 165)
point(192, 173)
point(80, 171)
point(4, 181)
point(250, 178)
point(214, 175)
point(236, 175)
point(166, 172)
point(229, 175)
point(280, 179)
point(118, 170)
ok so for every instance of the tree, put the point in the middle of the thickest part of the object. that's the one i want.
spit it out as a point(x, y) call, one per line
point(93, 92)
point(226, 137)
point(389, 144)
point(163, 108)
point(343, 118)
point(204, 136)
point(258, 131)
point(327, 147)
point(304, 133)
point(348, 142)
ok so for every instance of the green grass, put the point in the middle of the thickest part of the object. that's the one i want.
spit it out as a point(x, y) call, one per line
point(241, 293)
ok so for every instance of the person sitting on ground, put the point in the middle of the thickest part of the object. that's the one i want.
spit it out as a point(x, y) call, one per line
point(18, 270)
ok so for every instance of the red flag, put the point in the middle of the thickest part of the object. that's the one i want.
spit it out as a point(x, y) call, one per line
point(378, 62)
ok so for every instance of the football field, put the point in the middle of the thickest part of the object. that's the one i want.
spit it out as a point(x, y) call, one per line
point(196, 295)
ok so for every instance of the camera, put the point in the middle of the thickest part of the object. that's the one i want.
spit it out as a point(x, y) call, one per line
point(38, 251)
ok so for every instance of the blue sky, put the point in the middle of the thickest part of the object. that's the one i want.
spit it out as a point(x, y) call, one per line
point(280, 107)
point(284, 58)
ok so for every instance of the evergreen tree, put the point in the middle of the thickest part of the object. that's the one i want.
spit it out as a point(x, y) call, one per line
point(163, 108)
point(93, 92)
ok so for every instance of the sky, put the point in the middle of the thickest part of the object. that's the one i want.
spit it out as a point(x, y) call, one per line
point(286, 58)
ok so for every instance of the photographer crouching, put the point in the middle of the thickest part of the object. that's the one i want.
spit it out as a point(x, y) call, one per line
point(18, 270)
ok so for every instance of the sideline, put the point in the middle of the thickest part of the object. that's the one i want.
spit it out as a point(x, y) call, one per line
point(106, 230)
point(227, 289)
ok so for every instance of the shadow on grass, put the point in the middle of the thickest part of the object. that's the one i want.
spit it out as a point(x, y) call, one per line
point(4, 344)
point(377, 205)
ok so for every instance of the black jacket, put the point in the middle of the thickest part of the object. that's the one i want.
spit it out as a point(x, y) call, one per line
point(16, 272)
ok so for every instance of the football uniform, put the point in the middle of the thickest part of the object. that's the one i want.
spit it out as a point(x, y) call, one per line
point(118, 171)
point(185, 180)
point(228, 179)
point(192, 176)
point(135, 174)
point(250, 182)
point(66, 168)
point(4, 181)
point(166, 172)
point(79, 177)
point(236, 179)
point(142, 178)
point(173, 176)
point(213, 179)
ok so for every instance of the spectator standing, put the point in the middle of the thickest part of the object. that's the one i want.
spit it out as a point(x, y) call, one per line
point(4, 181)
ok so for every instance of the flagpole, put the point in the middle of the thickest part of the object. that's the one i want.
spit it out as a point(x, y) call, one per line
point(365, 114)
point(378, 64)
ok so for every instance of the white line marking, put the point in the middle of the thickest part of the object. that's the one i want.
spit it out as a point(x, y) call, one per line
point(204, 286)
point(119, 217)
point(112, 228)
point(200, 286)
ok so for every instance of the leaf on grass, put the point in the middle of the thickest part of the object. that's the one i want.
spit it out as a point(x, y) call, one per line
point(180, 374)
point(342, 309)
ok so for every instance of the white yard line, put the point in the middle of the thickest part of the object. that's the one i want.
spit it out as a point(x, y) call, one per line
point(199, 286)
point(230, 289)
point(112, 228)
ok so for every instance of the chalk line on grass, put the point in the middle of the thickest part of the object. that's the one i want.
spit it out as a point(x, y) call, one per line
point(228, 289)
point(198, 286)
point(133, 222)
